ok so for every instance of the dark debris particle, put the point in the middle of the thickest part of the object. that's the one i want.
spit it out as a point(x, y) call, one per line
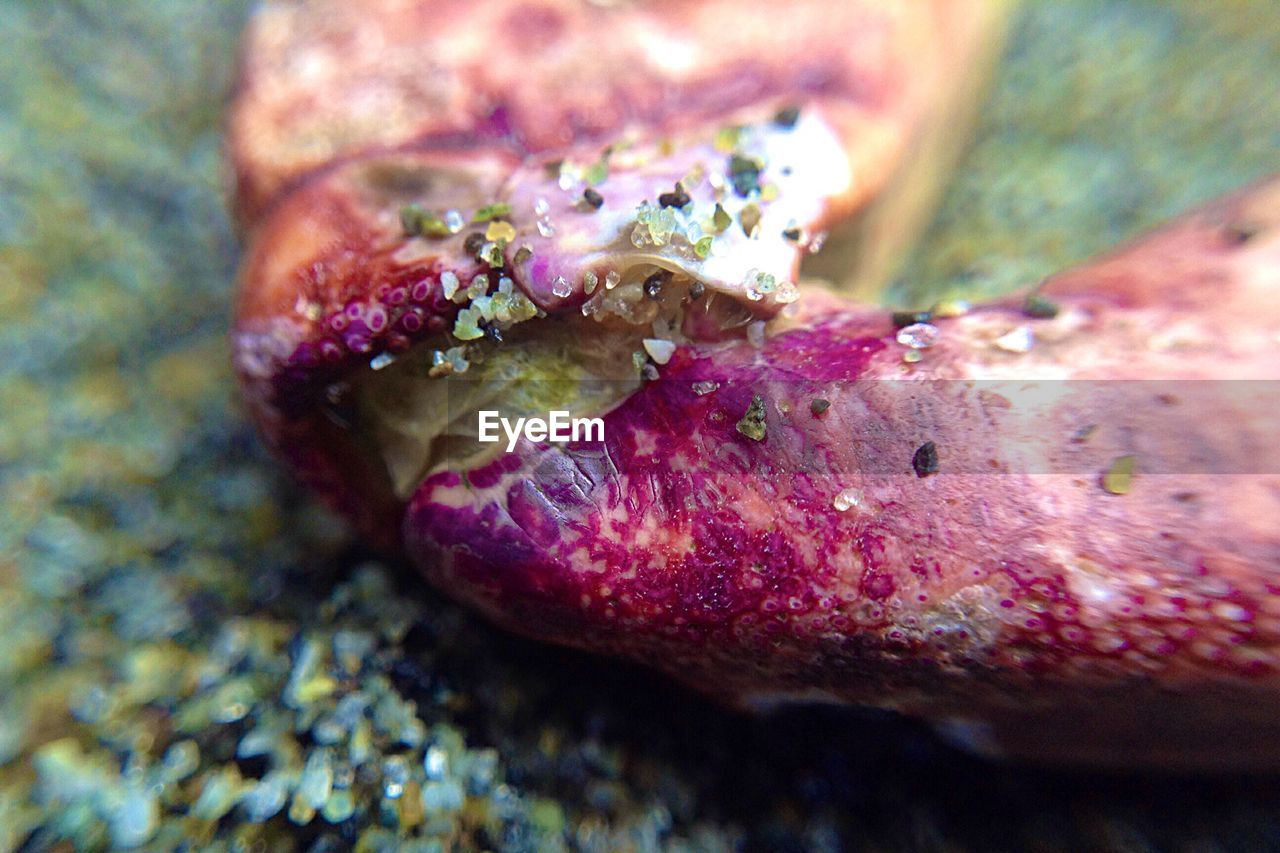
point(1040, 307)
point(787, 117)
point(1240, 233)
point(1084, 434)
point(593, 199)
point(902, 319)
point(753, 424)
point(653, 284)
point(696, 291)
point(818, 406)
point(410, 676)
point(925, 459)
point(474, 243)
point(744, 173)
point(793, 234)
point(253, 766)
point(677, 198)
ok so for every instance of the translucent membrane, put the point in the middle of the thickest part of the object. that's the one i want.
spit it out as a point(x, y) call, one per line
point(420, 413)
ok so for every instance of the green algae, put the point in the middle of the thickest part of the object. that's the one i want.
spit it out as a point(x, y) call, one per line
point(1104, 120)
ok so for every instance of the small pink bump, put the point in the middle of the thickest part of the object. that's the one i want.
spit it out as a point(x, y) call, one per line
point(411, 321)
point(421, 290)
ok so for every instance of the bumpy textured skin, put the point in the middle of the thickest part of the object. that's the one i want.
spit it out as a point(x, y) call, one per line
point(1008, 597)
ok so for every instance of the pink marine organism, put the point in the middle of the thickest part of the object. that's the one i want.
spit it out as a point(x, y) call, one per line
point(1047, 525)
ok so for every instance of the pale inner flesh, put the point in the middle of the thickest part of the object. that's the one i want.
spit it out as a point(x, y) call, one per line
point(420, 415)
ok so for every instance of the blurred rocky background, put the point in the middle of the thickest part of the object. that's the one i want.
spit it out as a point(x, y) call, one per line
point(193, 654)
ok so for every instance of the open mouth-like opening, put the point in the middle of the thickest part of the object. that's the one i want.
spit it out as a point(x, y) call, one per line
point(420, 414)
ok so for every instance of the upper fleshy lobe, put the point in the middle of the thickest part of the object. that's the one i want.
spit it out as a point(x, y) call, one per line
point(322, 82)
point(347, 111)
point(334, 285)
